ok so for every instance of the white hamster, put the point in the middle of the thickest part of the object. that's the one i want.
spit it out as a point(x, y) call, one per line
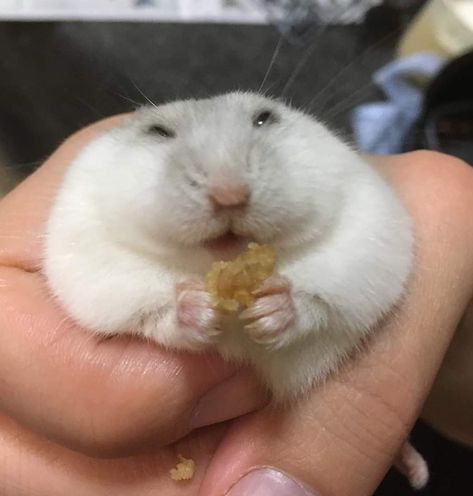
point(146, 208)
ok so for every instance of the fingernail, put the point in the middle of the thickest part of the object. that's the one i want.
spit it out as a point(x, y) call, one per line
point(268, 482)
point(238, 395)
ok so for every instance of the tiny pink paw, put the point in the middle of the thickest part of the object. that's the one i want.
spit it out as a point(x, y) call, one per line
point(272, 314)
point(413, 465)
point(195, 313)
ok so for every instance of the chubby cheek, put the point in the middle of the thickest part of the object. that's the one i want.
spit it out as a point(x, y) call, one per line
point(135, 210)
point(271, 196)
point(181, 219)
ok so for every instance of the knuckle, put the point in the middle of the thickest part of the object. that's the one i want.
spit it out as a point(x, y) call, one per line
point(110, 433)
point(441, 172)
point(438, 189)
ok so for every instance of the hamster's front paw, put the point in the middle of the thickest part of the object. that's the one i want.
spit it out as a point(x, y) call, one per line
point(272, 314)
point(198, 321)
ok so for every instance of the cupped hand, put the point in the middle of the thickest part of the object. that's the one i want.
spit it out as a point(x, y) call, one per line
point(63, 391)
point(67, 398)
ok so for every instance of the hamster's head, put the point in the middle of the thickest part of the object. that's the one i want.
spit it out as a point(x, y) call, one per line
point(216, 171)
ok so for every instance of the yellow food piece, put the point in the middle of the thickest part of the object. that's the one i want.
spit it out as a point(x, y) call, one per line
point(234, 284)
point(184, 470)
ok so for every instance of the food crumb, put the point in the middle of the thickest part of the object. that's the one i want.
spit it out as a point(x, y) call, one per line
point(184, 470)
point(233, 284)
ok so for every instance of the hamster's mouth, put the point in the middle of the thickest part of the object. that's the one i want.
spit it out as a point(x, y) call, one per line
point(227, 243)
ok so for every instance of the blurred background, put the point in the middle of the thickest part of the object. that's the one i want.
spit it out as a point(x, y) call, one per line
point(388, 76)
point(66, 63)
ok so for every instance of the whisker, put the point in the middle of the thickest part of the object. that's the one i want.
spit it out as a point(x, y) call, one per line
point(144, 96)
point(300, 65)
point(88, 105)
point(310, 49)
point(348, 67)
point(268, 91)
point(130, 100)
point(271, 63)
point(350, 102)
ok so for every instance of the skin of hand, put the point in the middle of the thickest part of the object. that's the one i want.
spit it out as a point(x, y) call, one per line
point(81, 416)
point(449, 407)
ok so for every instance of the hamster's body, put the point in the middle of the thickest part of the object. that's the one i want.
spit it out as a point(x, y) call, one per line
point(137, 216)
point(146, 208)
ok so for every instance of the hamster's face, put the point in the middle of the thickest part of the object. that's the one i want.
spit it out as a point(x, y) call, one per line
point(237, 165)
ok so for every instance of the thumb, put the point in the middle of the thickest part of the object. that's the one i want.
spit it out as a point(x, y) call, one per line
point(342, 439)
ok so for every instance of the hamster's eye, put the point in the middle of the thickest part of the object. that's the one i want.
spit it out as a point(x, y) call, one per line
point(161, 131)
point(262, 118)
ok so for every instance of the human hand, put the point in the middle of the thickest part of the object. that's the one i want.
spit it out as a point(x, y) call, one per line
point(99, 398)
point(121, 396)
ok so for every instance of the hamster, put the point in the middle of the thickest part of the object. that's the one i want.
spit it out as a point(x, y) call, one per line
point(145, 209)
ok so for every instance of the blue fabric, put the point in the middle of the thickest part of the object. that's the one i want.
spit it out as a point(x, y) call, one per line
point(381, 127)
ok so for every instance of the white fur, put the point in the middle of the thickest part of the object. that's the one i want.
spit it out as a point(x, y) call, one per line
point(133, 211)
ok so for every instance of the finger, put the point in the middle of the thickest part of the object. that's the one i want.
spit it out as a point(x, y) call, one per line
point(342, 439)
point(30, 465)
point(105, 398)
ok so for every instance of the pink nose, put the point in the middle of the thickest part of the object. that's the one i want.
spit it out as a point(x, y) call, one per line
point(229, 194)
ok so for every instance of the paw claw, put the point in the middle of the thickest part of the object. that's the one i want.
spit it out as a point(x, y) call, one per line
point(265, 305)
point(271, 314)
point(275, 284)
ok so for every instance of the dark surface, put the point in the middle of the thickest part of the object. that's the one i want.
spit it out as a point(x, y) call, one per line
point(446, 123)
point(450, 465)
point(57, 77)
